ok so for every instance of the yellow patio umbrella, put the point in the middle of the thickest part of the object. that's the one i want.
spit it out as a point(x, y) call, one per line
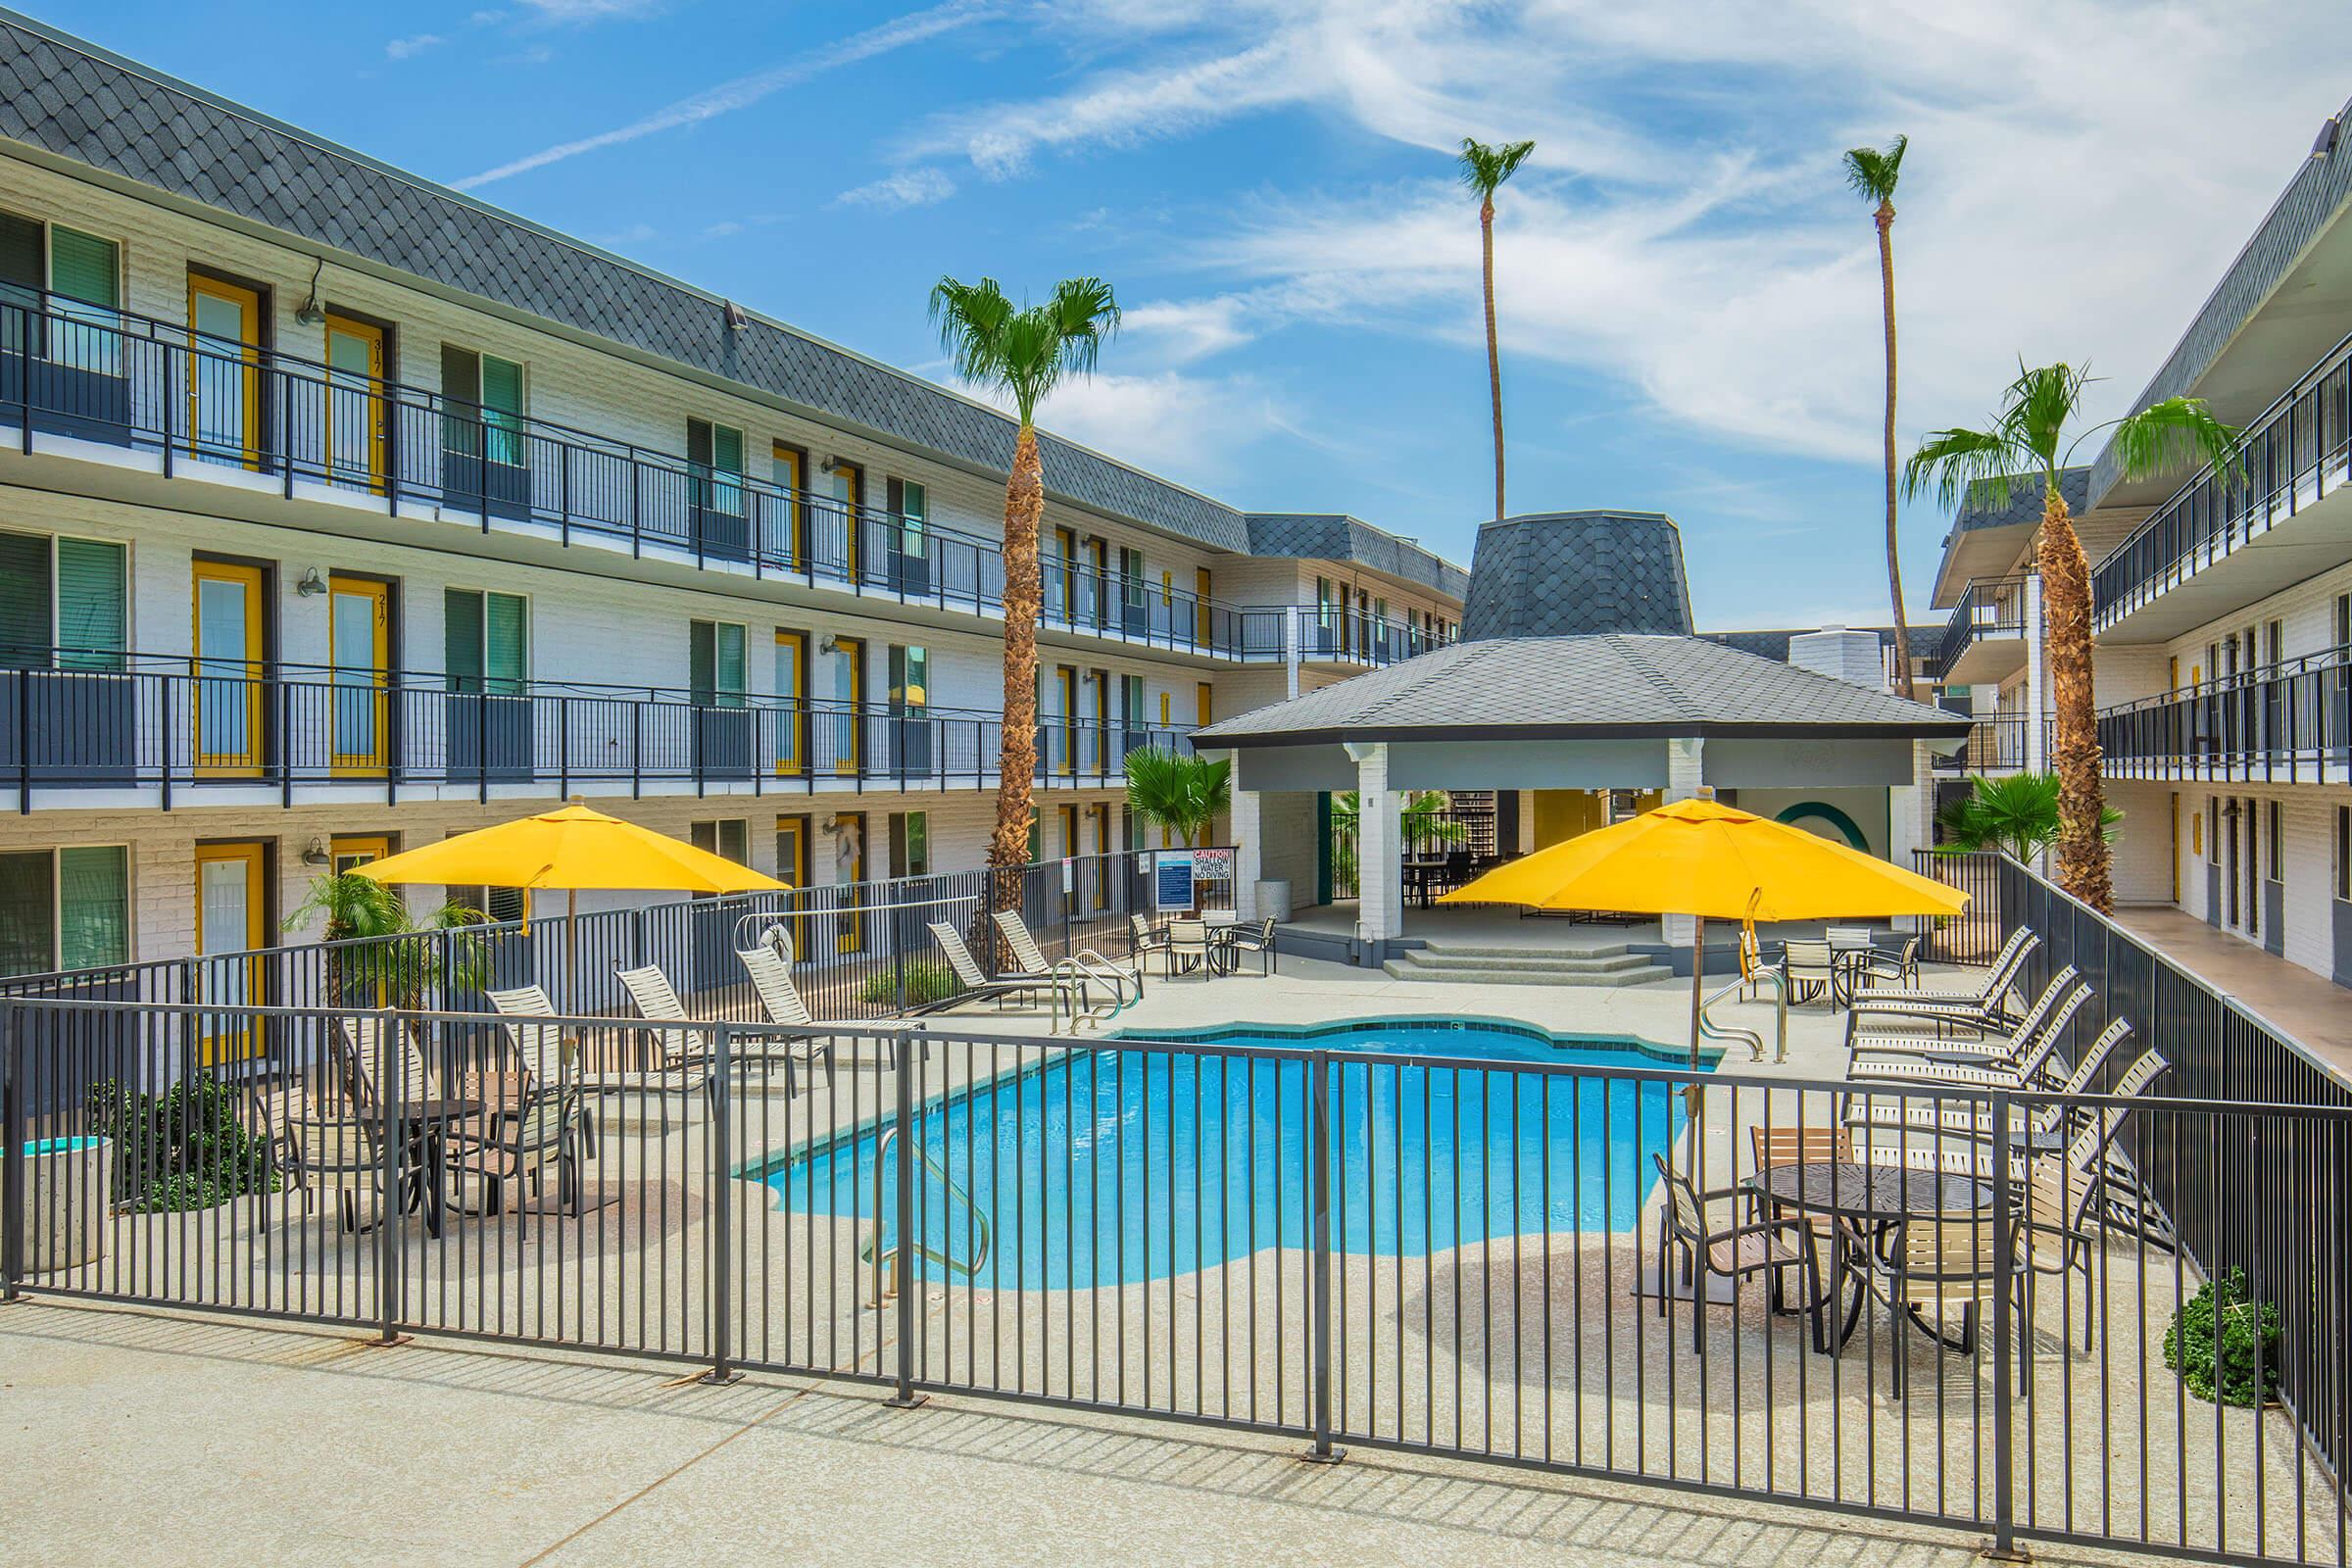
point(570, 848)
point(1701, 858)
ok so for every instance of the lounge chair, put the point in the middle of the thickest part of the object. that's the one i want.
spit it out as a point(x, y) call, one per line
point(1033, 960)
point(978, 986)
point(1770, 1246)
point(2061, 997)
point(2068, 1195)
point(2044, 1122)
point(539, 1047)
point(770, 967)
point(1985, 1007)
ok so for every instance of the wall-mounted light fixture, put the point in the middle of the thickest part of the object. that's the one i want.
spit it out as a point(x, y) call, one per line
point(829, 462)
point(312, 584)
point(312, 314)
point(314, 852)
point(828, 644)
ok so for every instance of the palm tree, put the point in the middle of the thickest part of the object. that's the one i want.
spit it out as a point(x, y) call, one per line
point(1873, 173)
point(2027, 444)
point(1023, 352)
point(1484, 170)
point(365, 922)
point(1181, 792)
point(2016, 815)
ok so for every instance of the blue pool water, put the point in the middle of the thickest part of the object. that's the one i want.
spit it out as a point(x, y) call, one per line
point(1112, 1166)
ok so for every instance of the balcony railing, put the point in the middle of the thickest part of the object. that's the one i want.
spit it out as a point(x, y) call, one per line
point(1329, 634)
point(2295, 451)
point(1990, 607)
point(2284, 723)
point(110, 377)
point(1996, 744)
point(185, 726)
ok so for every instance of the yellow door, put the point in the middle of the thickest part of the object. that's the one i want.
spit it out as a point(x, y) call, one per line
point(351, 850)
point(359, 636)
point(1066, 689)
point(846, 721)
point(355, 403)
point(849, 491)
point(792, 693)
point(849, 866)
point(792, 869)
point(1205, 631)
point(1202, 701)
point(225, 371)
point(1563, 814)
point(791, 473)
point(228, 705)
point(232, 918)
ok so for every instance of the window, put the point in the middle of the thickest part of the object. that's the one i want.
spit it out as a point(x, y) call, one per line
point(729, 838)
point(65, 908)
point(911, 503)
point(486, 641)
point(2274, 836)
point(714, 663)
point(910, 844)
point(714, 452)
point(482, 416)
point(498, 906)
point(1036, 835)
point(69, 595)
point(2342, 634)
point(1131, 575)
point(84, 272)
point(2274, 643)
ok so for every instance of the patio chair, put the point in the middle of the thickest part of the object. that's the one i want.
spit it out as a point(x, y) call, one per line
point(769, 964)
point(977, 984)
point(1901, 965)
point(2067, 1197)
point(1948, 1264)
point(1033, 960)
point(2033, 1037)
point(547, 1129)
point(1985, 1007)
point(362, 1051)
point(539, 1047)
point(1258, 939)
point(1808, 968)
point(1770, 1247)
point(1188, 946)
point(337, 1148)
point(1143, 939)
point(680, 1059)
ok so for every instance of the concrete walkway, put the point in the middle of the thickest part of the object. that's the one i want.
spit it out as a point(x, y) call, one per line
point(2316, 1012)
point(144, 1437)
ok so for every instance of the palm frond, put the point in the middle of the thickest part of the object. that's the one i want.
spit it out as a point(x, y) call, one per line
point(1873, 173)
point(1484, 169)
point(2176, 433)
point(1026, 350)
point(2036, 408)
point(972, 318)
point(1181, 791)
point(1086, 316)
point(1957, 463)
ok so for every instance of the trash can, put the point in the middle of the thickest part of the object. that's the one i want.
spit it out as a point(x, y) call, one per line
point(1274, 900)
point(69, 1193)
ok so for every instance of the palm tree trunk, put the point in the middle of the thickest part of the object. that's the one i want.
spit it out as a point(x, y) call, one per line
point(1486, 242)
point(1894, 564)
point(2083, 862)
point(1016, 767)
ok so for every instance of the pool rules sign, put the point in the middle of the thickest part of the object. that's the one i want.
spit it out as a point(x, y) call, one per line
point(1177, 875)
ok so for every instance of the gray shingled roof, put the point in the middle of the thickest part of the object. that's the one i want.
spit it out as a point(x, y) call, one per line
point(80, 102)
point(1336, 536)
point(1775, 644)
point(2024, 507)
point(1582, 688)
point(2315, 194)
point(1570, 573)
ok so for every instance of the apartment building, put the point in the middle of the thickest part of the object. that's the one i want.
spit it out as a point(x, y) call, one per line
point(340, 511)
point(2222, 604)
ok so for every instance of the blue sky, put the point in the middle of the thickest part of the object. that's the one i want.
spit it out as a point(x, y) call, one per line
point(1688, 292)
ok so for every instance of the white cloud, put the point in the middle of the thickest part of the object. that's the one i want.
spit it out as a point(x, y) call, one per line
point(577, 12)
point(1194, 430)
point(408, 48)
point(898, 191)
point(744, 91)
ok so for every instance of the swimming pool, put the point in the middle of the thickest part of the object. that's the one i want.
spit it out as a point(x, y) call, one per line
point(1110, 1166)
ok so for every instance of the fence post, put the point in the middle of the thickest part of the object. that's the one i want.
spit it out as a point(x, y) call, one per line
point(388, 1158)
point(2004, 1335)
point(902, 1396)
point(12, 1158)
point(723, 1203)
point(1318, 1136)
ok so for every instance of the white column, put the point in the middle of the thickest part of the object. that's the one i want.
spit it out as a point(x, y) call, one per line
point(1248, 849)
point(1290, 648)
point(2037, 682)
point(1685, 772)
point(1379, 875)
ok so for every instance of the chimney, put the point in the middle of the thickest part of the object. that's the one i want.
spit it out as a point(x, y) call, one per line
point(1852, 657)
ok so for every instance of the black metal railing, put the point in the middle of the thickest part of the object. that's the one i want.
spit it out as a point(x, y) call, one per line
point(1988, 608)
point(1994, 745)
point(864, 949)
point(175, 724)
point(1332, 634)
point(111, 377)
point(2289, 722)
point(2293, 454)
point(1424, 1250)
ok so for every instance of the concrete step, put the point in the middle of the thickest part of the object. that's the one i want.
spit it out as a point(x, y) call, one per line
point(1641, 974)
point(1542, 962)
point(1596, 950)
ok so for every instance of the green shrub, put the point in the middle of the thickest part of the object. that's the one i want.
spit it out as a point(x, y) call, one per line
point(2246, 1367)
point(925, 983)
point(186, 1147)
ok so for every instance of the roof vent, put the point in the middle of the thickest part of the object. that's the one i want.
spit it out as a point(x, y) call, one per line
point(2324, 145)
point(1854, 657)
point(736, 320)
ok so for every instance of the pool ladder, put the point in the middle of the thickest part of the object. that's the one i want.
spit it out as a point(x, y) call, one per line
point(890, 1279)
point(1710, 1029)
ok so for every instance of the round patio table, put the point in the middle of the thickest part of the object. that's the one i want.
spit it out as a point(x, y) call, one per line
point(424, 1152)
point(1872, 1200)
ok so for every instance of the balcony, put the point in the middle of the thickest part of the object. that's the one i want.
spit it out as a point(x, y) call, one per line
point(91, 730)
point(2225, 541)
point(1331, 635)
point(1996, 744)
point(1984, 640)
point(2289, 723)
point(110, 386)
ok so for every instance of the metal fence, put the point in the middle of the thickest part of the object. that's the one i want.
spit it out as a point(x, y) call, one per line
point(1414, 1251)
point(2289, 723)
